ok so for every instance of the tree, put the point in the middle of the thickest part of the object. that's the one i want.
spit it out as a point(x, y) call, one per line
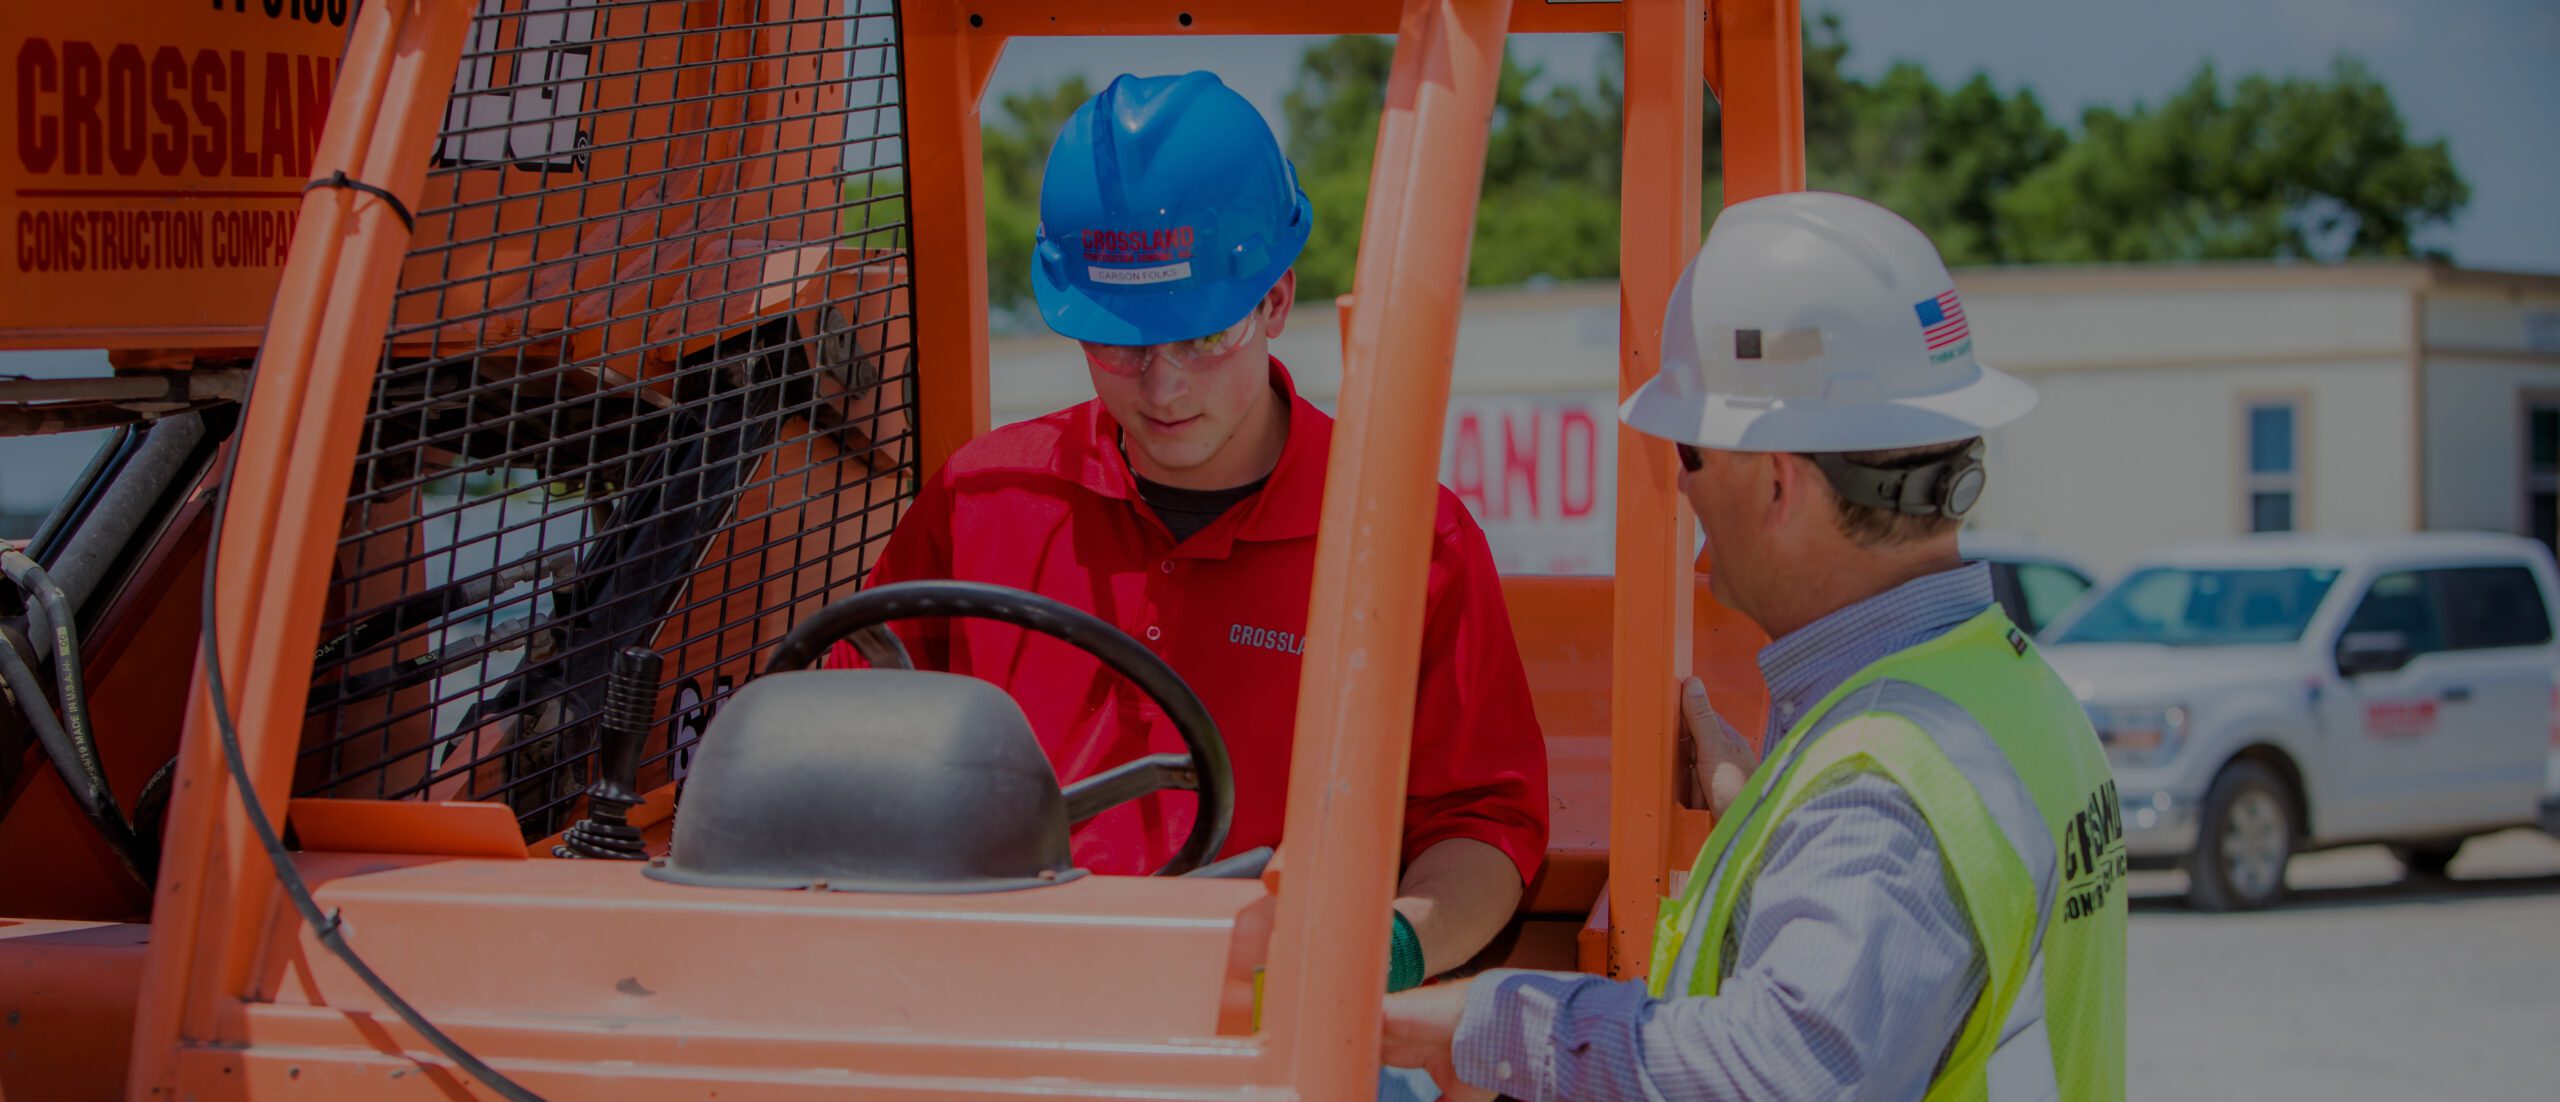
point(1550, 201)
point(2289, 168)
point(1015, 149)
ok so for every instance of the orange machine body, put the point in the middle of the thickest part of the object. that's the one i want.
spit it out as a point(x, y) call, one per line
point(693, 214)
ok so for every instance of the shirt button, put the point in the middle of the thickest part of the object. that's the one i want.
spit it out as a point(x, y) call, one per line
point(1166, 566)
point(1154, 633)
point(1502, 1070)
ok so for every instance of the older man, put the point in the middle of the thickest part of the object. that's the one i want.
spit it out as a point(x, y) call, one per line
point(1916, 894)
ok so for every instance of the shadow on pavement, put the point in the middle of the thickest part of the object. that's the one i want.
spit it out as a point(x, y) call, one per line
point(2415, 890)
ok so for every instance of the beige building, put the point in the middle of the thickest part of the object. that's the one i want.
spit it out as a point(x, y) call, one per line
point(2194, 402)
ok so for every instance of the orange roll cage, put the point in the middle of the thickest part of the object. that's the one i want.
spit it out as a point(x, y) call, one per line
point(586, 980)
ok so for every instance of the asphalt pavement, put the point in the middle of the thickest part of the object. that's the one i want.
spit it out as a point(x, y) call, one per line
point(2367, 985)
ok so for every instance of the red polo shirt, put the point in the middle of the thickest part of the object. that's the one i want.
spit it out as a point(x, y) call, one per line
point(1051, 506)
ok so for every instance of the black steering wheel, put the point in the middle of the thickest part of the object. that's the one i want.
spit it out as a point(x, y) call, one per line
point(1204, 769)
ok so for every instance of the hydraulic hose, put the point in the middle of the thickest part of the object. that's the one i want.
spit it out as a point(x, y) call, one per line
point(72, 690)
point(88, 787)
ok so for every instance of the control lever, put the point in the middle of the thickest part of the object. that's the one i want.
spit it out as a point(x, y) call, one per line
point(630, 703)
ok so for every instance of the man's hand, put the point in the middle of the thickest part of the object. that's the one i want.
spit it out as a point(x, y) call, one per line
point(1719, 761)
point(1419, 1027)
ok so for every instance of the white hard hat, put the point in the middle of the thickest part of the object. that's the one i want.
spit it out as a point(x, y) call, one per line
point(1814, 322)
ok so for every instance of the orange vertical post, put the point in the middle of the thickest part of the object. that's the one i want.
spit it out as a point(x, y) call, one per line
point(1355, 696)
point(948, 64)
point(1651, 603)
point(1761, 48)
point(297, 447)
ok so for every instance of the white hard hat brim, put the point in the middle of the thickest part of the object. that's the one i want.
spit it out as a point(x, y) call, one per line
point(1991, 400)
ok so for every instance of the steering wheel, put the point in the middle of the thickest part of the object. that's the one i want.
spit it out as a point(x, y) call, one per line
point(1204, 769)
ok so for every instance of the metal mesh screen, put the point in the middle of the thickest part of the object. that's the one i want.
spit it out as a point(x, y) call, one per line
point(649, 381)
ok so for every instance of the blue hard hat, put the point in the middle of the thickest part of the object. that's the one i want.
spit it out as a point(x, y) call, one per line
point(1166, 213)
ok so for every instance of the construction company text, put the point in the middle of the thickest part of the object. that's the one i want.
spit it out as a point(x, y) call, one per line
point(119, 146)
point(109, 240)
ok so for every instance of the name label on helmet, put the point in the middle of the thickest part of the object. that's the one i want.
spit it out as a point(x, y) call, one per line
point(1138, 277)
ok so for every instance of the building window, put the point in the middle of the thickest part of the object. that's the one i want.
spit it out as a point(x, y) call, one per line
point(2275, 468)
point(2542, 471)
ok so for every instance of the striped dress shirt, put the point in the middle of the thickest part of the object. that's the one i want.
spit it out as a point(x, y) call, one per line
point(1851, 962)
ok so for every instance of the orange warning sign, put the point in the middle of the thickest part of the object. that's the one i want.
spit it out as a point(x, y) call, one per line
point(153, 163)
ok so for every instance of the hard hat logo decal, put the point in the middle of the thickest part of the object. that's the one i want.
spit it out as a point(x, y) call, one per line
point(1137, 246)
point(1164, 256)
point(1941, 320)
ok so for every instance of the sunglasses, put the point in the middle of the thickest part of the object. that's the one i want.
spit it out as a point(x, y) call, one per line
point(1690, 460)
point(1196, 354)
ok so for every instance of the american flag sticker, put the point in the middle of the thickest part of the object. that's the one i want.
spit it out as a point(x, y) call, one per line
point(1941, 320)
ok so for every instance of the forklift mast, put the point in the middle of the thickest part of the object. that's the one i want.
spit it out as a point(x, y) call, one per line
point(463, 346)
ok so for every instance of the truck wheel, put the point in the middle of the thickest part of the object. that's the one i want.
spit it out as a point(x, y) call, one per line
point(2246, 841)
point(2427, 860)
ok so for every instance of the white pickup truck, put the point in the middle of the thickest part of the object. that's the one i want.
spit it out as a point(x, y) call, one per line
point(2277, 694)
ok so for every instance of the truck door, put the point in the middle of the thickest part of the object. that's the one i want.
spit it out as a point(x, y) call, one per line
point(2497, 626)
point(2397, 756)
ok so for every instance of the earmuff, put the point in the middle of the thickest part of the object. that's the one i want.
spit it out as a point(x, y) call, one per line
point(1945, 485)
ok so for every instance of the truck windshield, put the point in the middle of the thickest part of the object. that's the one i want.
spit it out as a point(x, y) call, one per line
point(2192, 607)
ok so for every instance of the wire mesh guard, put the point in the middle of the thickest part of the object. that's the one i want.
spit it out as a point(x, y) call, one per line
point(649, 380)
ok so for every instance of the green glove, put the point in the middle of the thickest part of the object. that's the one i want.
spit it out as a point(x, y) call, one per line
point(1404, 956)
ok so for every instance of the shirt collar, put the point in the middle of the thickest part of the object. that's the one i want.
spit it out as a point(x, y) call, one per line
point(1290, 506)
point(1809, 662)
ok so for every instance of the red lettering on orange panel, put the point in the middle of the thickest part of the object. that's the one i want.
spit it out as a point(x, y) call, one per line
point(127, 141)
point(275, 122)
point(206, 79)
point(310, 103)
point(39, 134)
point(169, 142)
point(83, 135)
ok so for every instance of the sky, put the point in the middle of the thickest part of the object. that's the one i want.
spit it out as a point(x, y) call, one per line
point(2482, 74)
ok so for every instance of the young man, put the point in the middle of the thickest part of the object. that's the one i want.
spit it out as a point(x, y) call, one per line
point(1181, 504)
point(1916, 894)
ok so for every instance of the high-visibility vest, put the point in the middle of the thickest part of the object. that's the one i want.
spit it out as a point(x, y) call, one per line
point(2001, 762)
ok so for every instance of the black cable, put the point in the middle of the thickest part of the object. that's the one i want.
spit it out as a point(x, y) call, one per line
point(339, 179)
point(87, 790)
point(324, 926)
point(151, 805)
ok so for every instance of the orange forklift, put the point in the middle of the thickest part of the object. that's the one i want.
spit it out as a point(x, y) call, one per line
point(509, 396)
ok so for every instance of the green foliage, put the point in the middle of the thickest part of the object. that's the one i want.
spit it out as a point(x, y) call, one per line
point(1016, 144)
point(1550, 202)
point(874, 214)
point(2309, 168)
point(2282, 168)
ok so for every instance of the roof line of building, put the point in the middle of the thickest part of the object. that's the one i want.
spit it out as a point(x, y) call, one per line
point(2251, 274)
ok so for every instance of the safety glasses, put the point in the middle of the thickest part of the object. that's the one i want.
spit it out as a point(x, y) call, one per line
point(1196, 354)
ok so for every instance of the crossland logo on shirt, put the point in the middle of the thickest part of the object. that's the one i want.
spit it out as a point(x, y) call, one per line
point(1266, 639)
point(2093, 856)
